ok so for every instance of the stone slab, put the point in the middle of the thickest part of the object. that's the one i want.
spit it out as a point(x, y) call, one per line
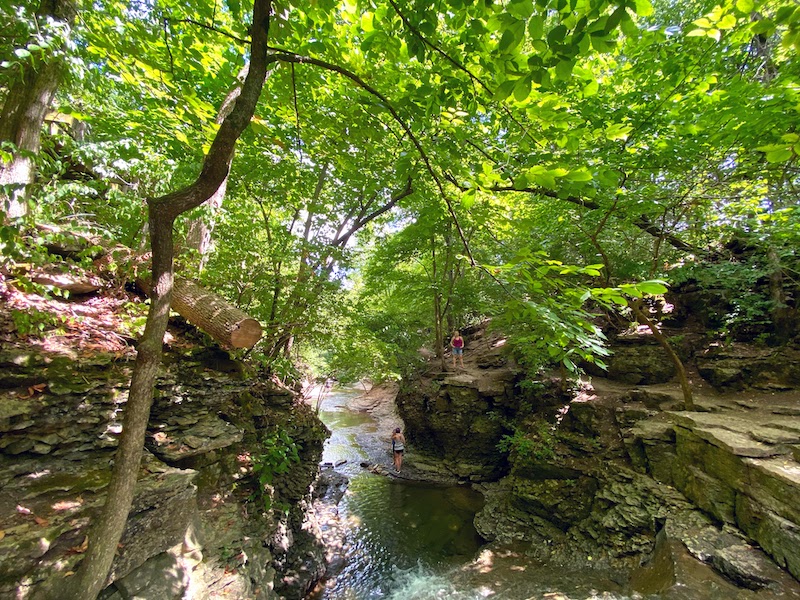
point(785, 422)
point(738, 444)
point(774, 436)
point(788, 471)
point(691, 420)
point(14, 406)
point(461, 380)
point(162, 577)
point(209, 434)
point(654, 430)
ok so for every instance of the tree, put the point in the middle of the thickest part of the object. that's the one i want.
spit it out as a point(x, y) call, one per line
point(37, 73)
point(163, 211)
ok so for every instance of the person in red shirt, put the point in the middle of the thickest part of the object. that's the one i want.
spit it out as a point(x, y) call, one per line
point(457, 342)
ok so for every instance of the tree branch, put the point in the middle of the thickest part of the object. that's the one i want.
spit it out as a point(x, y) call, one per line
point(363, 220)
point(211, 28)
point(643, 222)
point(289, 57)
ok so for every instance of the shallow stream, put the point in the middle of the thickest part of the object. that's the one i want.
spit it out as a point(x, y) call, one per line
point(393, 539)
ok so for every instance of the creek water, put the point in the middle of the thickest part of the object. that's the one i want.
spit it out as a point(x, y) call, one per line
point(393, 539)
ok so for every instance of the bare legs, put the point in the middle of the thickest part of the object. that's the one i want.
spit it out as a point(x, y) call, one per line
point(398, 461)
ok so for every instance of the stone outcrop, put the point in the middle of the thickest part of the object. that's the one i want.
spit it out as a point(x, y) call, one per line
point(455, 418)
point(717, 487)
point(459, 416)
point(618, 475)
point(739, 468)
point(737, 366)
point(200, 522)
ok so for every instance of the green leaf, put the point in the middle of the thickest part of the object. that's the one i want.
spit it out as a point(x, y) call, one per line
point(643, 8)
point(590, 89)
point(564, 69)
point(608, 177)
point(765, 26)
point(366, 22)
point(770, 147)
point(581, 174)
point(777, 156)
point(522, 89)
point(540, 46)
point(557, 35)
point(513, 35)
point(745, 6)
point(654, 287)
point(504, 90)
point(617, 131)
point(536, 27)
point(521, 8)
point(629, 28)
point(614, 19)
point(784, 14)
point(508, 41)
point(545, 180)
point(468, 199)
point(236, 9)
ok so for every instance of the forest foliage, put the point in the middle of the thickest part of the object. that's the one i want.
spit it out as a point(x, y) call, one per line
point(411, 169)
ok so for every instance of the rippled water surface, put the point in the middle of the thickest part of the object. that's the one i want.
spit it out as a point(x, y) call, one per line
point(404, 541)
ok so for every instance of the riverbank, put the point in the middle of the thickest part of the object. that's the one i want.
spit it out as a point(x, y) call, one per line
point(617, 474)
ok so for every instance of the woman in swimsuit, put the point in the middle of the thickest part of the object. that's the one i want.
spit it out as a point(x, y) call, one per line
point(398, 446)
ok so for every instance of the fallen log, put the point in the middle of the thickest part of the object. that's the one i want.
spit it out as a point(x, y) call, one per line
point(212, 313)
point(66, 282)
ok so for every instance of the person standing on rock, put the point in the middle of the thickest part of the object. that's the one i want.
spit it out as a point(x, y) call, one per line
point(398, 447)
point(457, 342)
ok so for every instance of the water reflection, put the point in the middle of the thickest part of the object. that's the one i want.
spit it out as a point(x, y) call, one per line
point(393, 528)
point(394, 540)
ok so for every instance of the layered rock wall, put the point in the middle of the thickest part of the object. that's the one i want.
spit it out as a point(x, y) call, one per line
point(600, 476)
point(739, 469)
point(200, 520)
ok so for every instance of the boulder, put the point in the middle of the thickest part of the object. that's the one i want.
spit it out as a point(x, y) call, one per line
point(738, 469)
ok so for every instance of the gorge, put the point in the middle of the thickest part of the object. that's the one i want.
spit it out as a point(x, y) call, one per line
point(613, 477)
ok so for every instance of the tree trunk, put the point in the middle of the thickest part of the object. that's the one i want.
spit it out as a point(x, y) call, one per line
point(638, 312)
point(107, 530)
point(213, 314)
point(198, 234)
point(23, 114)
point(437, 309)
point(781, 313)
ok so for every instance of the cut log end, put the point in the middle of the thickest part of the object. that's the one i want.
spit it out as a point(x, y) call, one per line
point(212, 313)
point(246, 334)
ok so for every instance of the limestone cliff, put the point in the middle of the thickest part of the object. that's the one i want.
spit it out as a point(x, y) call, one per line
point(202, 524)
point(615, 473)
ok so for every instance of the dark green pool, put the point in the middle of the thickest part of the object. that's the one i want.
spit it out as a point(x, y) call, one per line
point(395, 540)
